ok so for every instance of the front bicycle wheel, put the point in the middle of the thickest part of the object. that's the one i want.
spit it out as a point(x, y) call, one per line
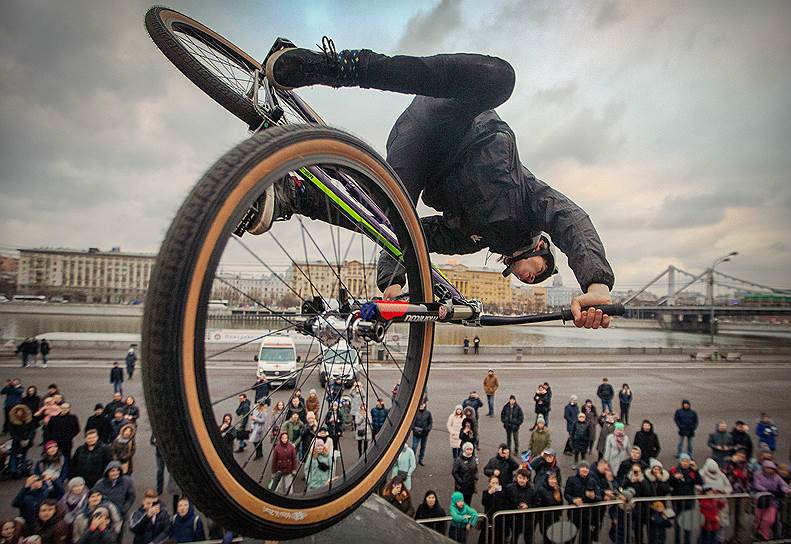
point(223, 71)
point(192, 379)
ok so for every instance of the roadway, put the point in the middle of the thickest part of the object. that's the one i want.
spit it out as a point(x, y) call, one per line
point(717, 391)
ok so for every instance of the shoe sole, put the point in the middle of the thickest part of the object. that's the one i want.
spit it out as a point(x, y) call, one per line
point(269, 69)
point(264, 220)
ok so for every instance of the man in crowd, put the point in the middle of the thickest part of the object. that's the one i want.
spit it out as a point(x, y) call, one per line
point(378, 416)
point(721, 443)
point(502, 465)
point(490, 385)
point(243, 413)
point(118, 488)
point(521, 496)
point(113, 405)
point(606, 393)
point(474, 402)
point(99, 422)
point(741, 437)
point(512, 418)
point(63, 428)
point(570, 413)
point(44, 348)
point(90, 459)
point(421, 427)
point(117, 378)
point(582, 488)
point(635, 458)
point(13, 392)
point(151, 522)
point(686, 420)
point(767, 432)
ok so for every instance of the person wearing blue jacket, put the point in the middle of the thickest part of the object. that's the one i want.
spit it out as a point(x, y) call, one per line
point(13, 392)
point(767, 432)
point(686, 420)
point(187, 525)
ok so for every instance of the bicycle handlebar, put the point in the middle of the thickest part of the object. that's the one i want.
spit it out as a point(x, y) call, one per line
point(564, 315)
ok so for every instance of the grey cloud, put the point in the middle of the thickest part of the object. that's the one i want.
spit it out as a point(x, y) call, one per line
point(585, 136)
point(686, 211)
point(426, 31)
point(559, 94)
point(610, 13)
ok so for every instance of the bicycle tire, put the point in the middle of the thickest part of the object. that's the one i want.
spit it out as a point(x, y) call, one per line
point(172, 351)
point(160, 23)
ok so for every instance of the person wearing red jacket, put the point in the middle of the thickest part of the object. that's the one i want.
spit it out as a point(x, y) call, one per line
point(284, 464)
point(710, 508)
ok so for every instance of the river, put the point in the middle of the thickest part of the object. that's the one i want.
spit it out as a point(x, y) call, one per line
point(622, 334)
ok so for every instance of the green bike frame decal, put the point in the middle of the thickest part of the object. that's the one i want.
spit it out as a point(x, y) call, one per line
point(351, 213)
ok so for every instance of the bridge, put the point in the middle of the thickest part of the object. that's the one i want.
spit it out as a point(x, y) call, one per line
point(755, 300)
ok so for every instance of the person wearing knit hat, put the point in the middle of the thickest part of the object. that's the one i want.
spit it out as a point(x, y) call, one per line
point(51, 460)
point(454, 426)
point(465, 472)
point(684, 477)
point(580, 437)
point(318, 466)
point(617, 447)
point(512, 417)
point(540, 438)
point(73, 501)
point(658, 479)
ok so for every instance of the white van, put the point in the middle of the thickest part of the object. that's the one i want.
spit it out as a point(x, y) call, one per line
point(339, 361)
point(277, 360)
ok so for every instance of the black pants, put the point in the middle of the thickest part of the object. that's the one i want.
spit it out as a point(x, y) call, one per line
point(515, 434)
point(452, 90)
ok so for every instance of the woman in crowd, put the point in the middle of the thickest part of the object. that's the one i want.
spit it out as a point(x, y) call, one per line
point(430, 508)
point(277, 416)
point(592, 419)
point(73, 501)
point(363, 431)
point(260, 419)
point(648, 441)
point(617, 446)
point(187, 525)
point(123, 448)
point(11, 531)
point(52, 462)
point(607, 424)
point(318, 467)
point(625, 400)
point(396, 493)
point(227, 430)
point(131, 410)
point(454, 428)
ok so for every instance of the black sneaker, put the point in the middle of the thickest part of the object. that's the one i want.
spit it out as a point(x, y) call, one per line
point(279, 202)
point(288, 67)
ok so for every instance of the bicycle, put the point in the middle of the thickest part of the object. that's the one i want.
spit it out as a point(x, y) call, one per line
point(364, 200)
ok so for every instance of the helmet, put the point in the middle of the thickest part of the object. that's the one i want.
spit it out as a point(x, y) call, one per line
point(548, 252)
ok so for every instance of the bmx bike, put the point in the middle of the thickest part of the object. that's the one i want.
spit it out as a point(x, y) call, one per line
point(326, 266)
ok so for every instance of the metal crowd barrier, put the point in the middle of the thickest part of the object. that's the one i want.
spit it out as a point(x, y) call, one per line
point(479, 533)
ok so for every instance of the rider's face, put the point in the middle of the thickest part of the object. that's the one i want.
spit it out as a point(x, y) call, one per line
point(526, 270)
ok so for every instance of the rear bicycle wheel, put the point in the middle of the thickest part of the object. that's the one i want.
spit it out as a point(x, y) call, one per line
point(222, 70)
point(190, 381)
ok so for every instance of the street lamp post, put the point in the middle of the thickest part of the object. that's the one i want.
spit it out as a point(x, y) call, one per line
point(723, 259)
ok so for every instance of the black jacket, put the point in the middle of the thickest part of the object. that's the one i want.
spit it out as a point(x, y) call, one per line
point(622, 470)
point(605, 391)
point(468, 166)
point(648, 442)
point(505, 466)
point(422, 423)
point(90, 464)
point(512, 416)
point(542, 401)
point(116, 374)
point(147, 530)
point(102, 426)
point(576, 486)
point(518, 494)
point(62, 429)
point(465, 473)
point(580, 436)
point(687, 421)
point(495, 502)
point(739, 439)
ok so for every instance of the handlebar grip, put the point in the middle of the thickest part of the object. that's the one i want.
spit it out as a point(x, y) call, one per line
point(609, 309)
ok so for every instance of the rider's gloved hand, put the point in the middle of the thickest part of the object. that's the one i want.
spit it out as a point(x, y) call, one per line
point(591, 318)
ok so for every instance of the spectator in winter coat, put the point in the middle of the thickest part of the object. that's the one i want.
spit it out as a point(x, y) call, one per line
point(364, 434)
point(581, 489)
point(636, 485)
point(84, 520)
point(767, 432)
point(113, 405)
point(715, 478)
point(430, 508)
point(467, 433)
point(123, 448)
point(90, 460)
point(741, 438)
point(570, 415)
point(625, 400)
point(397, 494)
point(541, 399)
point(490, 385)
point(63, 428)
point(580, 437)
point(261, 388)
point(591, 418)
point(502, 465)
point(454, 426)
point(684, 480)
point(243, 410)
point(648, 441)
point(130, 359)
point(117, 423)
point(540, 438)
point(686, 420)
point(294, 428)
point(404, 466)
point(131, 410)
point(22, 428)
point(260, 418)
point(379, 416)
point(117, 378)
point(318, 467)
point(768, 485)
point(50, 525)
point(738, 471)
point(99, 422)
point(549, 493)
point(151, 522)
point(521, 496)
point(658, 479)
point(512, 418)
point(30, 497)
point(462, 517)
point(607, 424)
point(606, 393)
point(312, 403)
point(73, 501)
point(13, 395)
point(117, 488)
point(542, 464)
point(710, 508)
point(187, 525)
point(473, 401)
point(495, 499)
point(635, 458)
point(465, 472)
point(52, 463)
point(617, 446)
point(421, 427)
point(284, 463)
point(721, 443)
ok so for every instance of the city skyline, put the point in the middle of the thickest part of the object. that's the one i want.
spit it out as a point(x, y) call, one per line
point(667, 127)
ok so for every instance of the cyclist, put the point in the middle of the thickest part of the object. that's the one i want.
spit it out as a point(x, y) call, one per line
point(453, 148)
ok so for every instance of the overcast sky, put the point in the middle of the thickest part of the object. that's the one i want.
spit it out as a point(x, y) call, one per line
point(669, 122)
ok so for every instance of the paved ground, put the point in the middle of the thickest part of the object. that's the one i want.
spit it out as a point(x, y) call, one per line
point(722, 391)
